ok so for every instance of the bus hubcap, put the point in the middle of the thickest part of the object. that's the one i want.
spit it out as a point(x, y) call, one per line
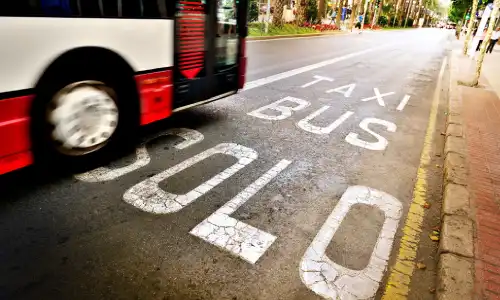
point(84, 115)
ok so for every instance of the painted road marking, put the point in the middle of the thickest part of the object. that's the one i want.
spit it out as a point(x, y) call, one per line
point(352, 138)
point(318, 79)
point(332, 281)
point(286, 111)
point(345, 90)
point(380, 144)
point(305, 125)
point(403, 103)
point(398, 284)
point(266, 80)
point(378, 96)
point(190, 137)
point(149, 197)
point(235, 236)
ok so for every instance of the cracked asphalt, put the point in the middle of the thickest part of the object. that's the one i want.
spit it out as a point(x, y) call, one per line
point(231, 205)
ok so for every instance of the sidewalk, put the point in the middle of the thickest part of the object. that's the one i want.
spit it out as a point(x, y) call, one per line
point(470, 243)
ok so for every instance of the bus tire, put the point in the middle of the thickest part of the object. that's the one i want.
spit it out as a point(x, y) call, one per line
point(80, 120)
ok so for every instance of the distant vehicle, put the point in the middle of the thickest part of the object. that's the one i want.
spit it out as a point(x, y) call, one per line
point(77, 78)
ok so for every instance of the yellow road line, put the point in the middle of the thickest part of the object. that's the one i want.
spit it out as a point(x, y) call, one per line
point(398, 284)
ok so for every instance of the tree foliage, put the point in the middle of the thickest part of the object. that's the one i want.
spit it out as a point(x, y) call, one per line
point(311, 11)
point(253, 11)
point(457, 9)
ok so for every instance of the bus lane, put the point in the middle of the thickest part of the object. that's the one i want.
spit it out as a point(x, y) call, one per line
point(294, 189)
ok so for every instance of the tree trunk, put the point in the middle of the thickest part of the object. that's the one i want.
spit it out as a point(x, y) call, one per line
point(469, 27)
point(340, 3)
point(354, 14)
point(321, 9)
point(398, 8)
point(487, 38)
point(278, 12)
point(379, 11)
point(403, 14)
point(301, 11)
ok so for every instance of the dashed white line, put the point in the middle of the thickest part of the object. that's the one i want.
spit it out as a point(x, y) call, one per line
point(266, 80)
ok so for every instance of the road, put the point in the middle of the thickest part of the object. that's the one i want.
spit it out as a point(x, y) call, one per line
point(296, 188)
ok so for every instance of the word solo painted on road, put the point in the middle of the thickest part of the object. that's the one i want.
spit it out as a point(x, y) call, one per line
point(286, 106)
point(319, 273)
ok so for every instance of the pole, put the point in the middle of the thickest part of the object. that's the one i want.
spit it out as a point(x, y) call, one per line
point(268, 14)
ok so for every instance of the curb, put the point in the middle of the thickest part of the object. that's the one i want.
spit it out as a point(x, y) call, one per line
point(277, 37)
point(456, 247)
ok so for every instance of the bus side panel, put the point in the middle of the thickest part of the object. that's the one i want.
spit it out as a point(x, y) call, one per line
point(156, 92)
point(15, 134)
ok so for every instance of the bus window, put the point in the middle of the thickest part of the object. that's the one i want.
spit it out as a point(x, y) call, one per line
point(227, 33)
point(89, 8)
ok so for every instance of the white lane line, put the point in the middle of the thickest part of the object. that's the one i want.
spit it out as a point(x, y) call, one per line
point(333, 281)
point(266, 80)
point(403, 103)
point(235, 236)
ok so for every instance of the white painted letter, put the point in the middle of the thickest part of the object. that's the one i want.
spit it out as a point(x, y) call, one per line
point(149, 197)
point(342, 90)
point(304, 123)
point(318, 79)
point(381, 144)
point(190, 136)
point(332, 281)
point(403, 103)
point(286, 111)
point(235, 236)
point(378, 96)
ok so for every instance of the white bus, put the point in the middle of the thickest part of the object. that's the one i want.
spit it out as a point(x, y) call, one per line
point(78, 77)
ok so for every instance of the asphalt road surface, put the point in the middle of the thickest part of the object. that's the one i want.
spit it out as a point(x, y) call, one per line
point(296, 188)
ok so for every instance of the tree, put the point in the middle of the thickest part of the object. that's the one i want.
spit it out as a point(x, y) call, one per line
point(321, 9)
point(278, 12)
point(253, 11)
point(300, 11)
point(487, 38)
point(312, 11)
point(398, 8)
point(354, 13)
point(469, 28)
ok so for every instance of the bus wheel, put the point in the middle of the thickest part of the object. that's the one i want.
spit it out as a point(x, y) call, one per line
point(78, 124)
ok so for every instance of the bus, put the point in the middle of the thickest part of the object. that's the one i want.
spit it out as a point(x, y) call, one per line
point(79, 77)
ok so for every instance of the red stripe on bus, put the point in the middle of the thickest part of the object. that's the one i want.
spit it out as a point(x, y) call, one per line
point(15, 133)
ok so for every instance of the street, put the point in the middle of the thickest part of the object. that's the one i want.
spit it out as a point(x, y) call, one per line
point(298, 187)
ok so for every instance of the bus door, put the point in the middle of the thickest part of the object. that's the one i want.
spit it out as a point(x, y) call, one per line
point(208, 49)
